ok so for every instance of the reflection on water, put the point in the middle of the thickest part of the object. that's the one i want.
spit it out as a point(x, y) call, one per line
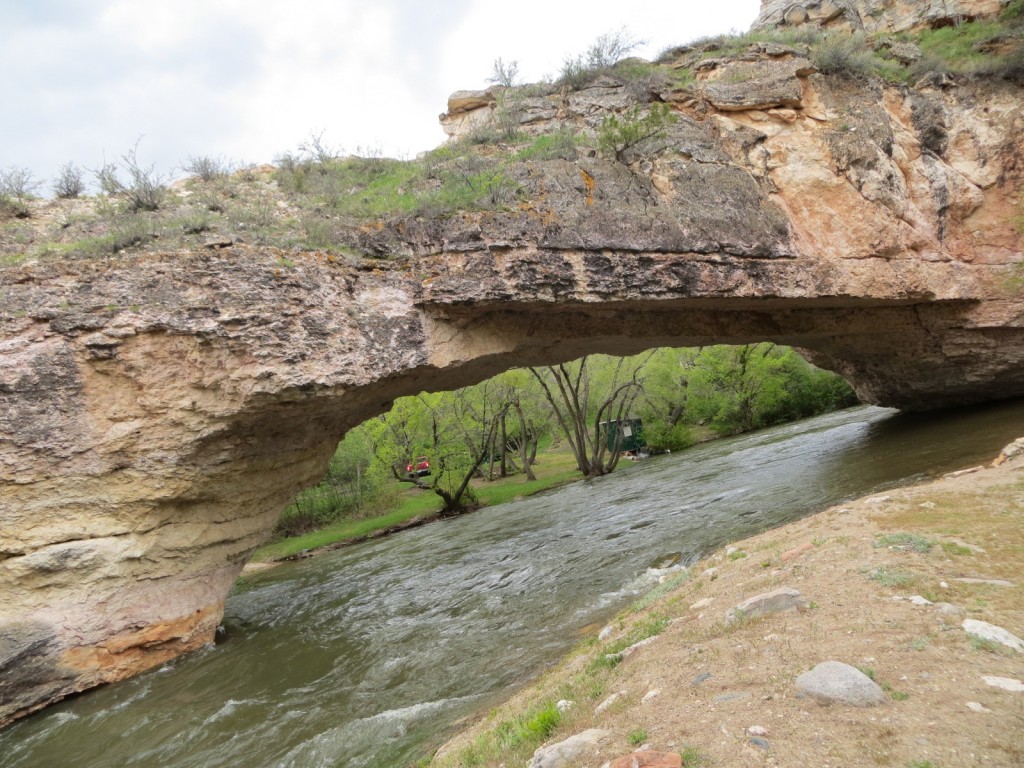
point(361, 656)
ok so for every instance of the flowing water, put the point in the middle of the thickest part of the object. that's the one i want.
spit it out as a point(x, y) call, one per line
point(363, 656)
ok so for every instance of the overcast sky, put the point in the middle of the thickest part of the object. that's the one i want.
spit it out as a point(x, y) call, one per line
point(249, 79)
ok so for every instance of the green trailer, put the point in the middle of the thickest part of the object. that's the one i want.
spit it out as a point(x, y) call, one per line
point(629, 431)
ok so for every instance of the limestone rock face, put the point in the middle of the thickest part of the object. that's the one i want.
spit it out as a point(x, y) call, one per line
point(872, 15)
point(157, 412)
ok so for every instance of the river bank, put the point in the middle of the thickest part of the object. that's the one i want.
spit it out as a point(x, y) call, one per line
point(885, 585)
point(556, 469)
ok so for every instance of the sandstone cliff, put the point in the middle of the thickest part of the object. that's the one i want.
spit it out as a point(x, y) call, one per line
point(158, 409)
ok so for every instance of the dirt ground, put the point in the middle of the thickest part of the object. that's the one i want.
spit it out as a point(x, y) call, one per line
point(856, 565)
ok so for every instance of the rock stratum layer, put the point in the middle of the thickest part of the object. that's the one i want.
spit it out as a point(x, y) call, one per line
point(158, 412)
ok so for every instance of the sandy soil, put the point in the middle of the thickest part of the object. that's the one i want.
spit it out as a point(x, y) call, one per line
point(714, 681)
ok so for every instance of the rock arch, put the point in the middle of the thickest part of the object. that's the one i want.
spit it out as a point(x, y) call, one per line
point(157, 412)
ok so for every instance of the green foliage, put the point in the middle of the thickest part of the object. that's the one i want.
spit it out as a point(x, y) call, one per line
point(911, 542)
point(207, 168)
point(636, 737)
point(451, 178)
point(551, 146)
point(692, 757)
point(144, 190)
point(891, 577)
point(70, 182)
point(736, 389)
point(618, 135)
point(504, 74)
point(842, 54)
point(603, 54)
point(952, 548)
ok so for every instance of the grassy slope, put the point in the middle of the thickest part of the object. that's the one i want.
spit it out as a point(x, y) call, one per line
point(836, 559)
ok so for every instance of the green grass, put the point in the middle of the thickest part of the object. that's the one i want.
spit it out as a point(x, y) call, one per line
point(423, 505)
point(891, 577)
point(555, 469)
point(637, 737)
point(910, 542)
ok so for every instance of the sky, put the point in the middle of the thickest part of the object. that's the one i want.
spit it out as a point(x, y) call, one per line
point(247, 80)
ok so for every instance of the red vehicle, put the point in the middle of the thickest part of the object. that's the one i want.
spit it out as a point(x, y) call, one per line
point(418, 468)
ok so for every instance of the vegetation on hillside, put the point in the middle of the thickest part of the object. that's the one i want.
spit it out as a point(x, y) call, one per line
point(316, 197)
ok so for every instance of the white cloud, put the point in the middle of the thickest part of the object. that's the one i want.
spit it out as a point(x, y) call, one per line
point(248, 79)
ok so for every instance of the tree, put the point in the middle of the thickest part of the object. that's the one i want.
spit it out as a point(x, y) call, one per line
point(618, 135)
point(455, 429)
point(583, 416)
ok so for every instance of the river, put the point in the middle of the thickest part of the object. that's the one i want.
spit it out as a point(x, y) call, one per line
point(366, 655)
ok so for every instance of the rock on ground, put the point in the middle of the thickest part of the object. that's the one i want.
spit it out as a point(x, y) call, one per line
point(562, 754)
point(995, 634)
point(648, 759)
point(834, 682)
point(782, 599)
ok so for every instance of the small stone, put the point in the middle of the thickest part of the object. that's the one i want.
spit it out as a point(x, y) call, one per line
point(710, 572)
point(701, 678)
point(701, 604)
point(731, 550)
point(609, 701)
point(878, 500)
point(649, 759)
point(1006, 683)
point(948, 609)
point(928, 505)
point(757, 730)
point(962, 472)
point(565, 752)
point(564, 705)
point(975, 706)
point(626, 652)
point(650, 696)
point(944, 585)
point(782, 599)
point(918, 600)
point(835, 682)
point(987, 631)
point(606, 633)
point(757, 741)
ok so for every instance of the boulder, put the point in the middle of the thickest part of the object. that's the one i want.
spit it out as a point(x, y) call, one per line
point(833, 682)
point(763, 84)
point(649, 759)
point(562, 754)
point(992, 633)
point(782, 599)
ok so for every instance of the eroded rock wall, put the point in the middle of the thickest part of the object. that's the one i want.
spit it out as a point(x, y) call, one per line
point(158, 412)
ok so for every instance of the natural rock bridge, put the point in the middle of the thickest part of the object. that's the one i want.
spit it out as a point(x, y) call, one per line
point(158, 412)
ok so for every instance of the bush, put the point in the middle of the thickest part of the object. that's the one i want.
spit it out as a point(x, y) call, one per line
point(619, 135)
point(18, 183)
point(70, 182)
point(603, 54)
point(207, 168)
point(551, 146)
point(503, 74)
point(144, 190)
point(841, 54)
